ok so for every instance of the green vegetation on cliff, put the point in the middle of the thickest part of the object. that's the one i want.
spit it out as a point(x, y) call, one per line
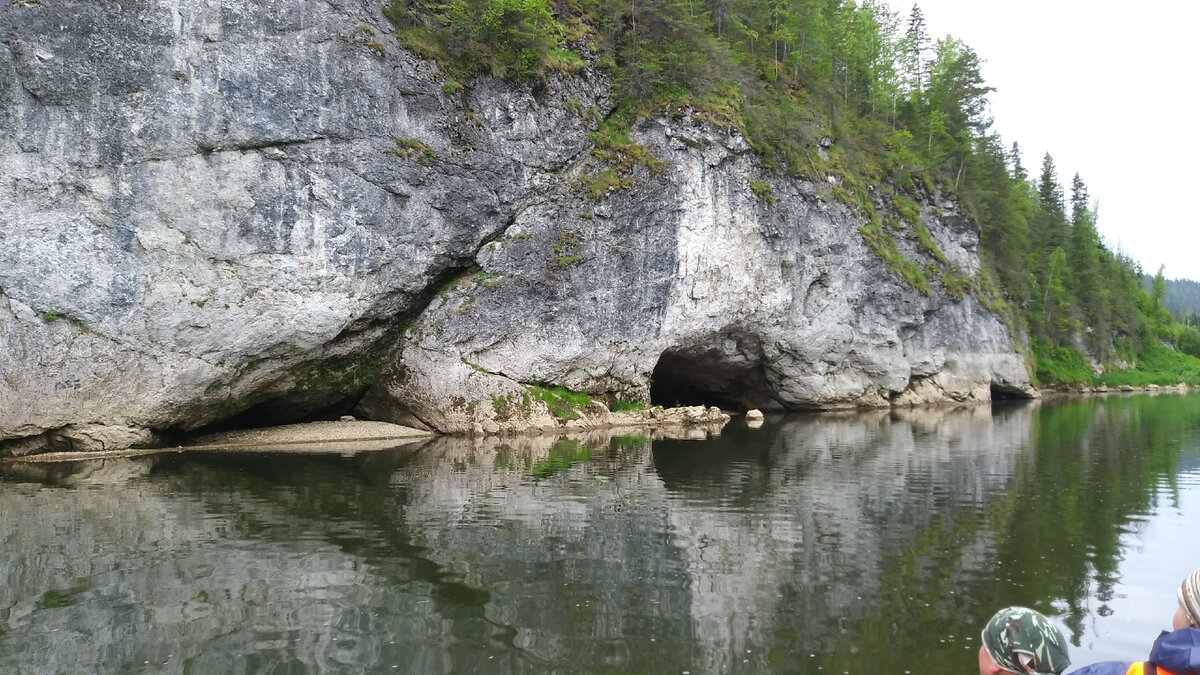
point(903, 113)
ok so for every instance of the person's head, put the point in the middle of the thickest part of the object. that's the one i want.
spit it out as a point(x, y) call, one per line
point(1020, 640)
point(1188, 613)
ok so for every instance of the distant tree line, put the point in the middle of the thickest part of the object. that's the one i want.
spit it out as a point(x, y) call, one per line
point(1182, 299)
point(906, 112)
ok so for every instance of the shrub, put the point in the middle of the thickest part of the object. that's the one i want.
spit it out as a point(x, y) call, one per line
point(614, 147)
point(907, 208)
point(884, 247)
point(516, 39)
point(1157, 365)
point(566, 249)
point(1061, 365)
point(408, 147)
point(607, 181)
point(1188, 341)
point(763, 191)
point(563, 403)
point(565, 62)
point(926, 243)
point(955, 284)
point(628, 406)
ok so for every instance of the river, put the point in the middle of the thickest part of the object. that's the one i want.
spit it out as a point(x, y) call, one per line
point(874, 542)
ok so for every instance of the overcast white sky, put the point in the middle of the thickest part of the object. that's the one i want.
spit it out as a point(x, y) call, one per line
point(1109, 89)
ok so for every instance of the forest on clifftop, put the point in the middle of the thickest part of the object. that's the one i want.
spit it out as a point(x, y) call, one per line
point(900, 110)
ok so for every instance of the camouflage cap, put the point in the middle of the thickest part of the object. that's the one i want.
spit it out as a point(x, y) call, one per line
point(1021, 640)
point(1189, 597)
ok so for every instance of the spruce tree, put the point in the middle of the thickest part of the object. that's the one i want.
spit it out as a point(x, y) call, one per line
point(1083, 254)
point(917, 43)
point(1052, 217)
point(1018, 168)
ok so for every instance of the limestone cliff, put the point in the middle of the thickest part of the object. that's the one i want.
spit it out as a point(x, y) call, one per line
point(210, 208)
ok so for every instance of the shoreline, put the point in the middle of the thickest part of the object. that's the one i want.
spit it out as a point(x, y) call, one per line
point(1090, 390)
point(350, 436)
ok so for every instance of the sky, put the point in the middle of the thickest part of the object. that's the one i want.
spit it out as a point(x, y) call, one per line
point(1110, 91)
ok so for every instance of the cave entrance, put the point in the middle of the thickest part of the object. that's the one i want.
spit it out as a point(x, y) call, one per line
point(287, 408)
point(1005, 393)
point(290, 409)
point(723, 376)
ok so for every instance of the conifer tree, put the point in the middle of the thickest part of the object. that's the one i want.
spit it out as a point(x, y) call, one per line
point(1052, 219)
point(1083, 255)
point(789, 72)
point(917, 46)
point(1018, 168)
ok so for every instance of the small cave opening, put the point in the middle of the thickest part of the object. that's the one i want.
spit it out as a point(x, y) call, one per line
point(287, 408)
point(709, 376)
point(1003, 393)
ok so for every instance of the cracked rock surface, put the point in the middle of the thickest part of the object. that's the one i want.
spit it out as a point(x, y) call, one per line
point(691, 283)
point(199, 212)
point(211, 207)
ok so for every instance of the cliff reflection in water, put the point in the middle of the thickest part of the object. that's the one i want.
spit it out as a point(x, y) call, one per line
point(865, 542)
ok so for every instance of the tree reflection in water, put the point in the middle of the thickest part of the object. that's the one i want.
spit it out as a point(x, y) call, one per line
point(864, 542)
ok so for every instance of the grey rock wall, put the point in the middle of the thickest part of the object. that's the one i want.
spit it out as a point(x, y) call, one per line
point(199, 216)
point(198, 211)
point(693, 281)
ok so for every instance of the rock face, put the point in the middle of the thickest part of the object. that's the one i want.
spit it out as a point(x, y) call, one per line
point(199, 213)
point(695, 283)
point(211, 209)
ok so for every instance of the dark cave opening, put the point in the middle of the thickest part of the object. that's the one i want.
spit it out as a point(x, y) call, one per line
point(1003, 393)
point(708, 377)
point(286, 409)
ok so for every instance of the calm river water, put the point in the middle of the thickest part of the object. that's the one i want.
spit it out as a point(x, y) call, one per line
point(834, 543)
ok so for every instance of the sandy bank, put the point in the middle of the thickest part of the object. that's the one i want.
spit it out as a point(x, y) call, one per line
point(343, 437)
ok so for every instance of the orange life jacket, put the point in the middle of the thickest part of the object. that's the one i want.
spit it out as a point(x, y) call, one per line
point(1147, 668)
